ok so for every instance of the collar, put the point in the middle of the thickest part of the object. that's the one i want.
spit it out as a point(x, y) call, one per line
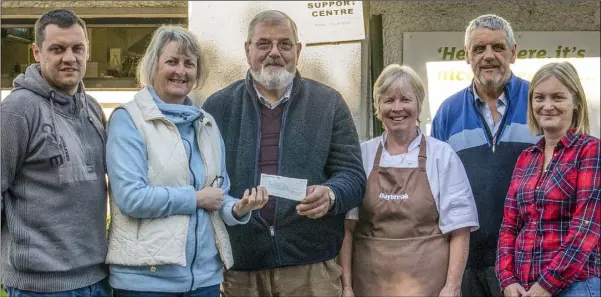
point(285, 97)
point(479, 100)
point(567, 140)
point(413, 145)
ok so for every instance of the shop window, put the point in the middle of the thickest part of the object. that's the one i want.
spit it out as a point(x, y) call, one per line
point(116, 46)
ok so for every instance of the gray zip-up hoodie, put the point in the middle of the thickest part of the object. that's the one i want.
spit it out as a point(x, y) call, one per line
point(54, 195)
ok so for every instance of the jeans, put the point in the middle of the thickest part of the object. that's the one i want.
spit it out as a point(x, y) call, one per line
point(586, 288)
point(211, 291)
point(99, 289)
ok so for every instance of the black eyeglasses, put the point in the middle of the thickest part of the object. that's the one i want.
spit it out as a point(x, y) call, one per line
point(217, 182)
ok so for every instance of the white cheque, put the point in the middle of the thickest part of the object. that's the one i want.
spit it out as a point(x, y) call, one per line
point(285, 187)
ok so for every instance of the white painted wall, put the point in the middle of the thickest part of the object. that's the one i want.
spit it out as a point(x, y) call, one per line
point(222, 28)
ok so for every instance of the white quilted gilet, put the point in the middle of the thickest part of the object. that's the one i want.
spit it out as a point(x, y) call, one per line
point(149, 242)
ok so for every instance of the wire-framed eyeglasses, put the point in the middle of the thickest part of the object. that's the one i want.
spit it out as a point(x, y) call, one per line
point(282, 45)
point(217, 182)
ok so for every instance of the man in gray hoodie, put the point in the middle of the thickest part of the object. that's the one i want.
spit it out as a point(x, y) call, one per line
point(54, 193)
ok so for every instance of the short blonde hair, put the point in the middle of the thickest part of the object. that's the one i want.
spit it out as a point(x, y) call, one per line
point(188, 45)
point(568, 76)
point(397, 77)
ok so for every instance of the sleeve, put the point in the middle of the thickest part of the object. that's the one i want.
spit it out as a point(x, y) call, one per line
point(457, 207)
point(583, 232)
point(14, 139)
point(127, 168)
point(353, 214)
point(437, 129)
point(227, 206)
point(344, 166)
point(510, 227)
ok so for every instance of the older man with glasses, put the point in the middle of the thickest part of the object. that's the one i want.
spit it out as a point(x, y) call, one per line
point(277, 122)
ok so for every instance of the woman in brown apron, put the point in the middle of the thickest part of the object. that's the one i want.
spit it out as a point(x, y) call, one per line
point(396, 247)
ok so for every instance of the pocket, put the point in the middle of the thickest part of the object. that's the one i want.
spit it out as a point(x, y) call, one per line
point(70, 173)
point(563, 177)
point(594, 286)
point(333, 270)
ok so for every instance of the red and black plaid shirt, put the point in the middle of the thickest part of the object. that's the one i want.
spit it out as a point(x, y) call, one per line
point(551, 222)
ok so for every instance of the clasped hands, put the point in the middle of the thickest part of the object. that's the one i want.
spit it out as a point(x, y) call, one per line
point(315, 205)
point(516, 290)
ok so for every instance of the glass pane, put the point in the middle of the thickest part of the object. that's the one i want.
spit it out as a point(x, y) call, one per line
point(114, 55)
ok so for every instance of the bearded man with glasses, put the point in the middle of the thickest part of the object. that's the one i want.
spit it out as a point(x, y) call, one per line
point(277, 122)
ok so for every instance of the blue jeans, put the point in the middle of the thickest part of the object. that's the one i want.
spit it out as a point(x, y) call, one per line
point(585, 288)
point(99, 289)
point(211, 291)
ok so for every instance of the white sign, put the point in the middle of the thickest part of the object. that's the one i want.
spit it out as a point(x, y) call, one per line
point(439, 59)
point(316, 21)
point(328, 21)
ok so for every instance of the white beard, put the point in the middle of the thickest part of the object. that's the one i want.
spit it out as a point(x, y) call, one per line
point(273, 80)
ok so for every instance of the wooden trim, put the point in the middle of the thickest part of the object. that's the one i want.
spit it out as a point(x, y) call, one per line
point(100, 16)
point(100, 12)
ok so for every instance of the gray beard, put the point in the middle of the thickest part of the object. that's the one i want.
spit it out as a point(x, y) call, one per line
point(272, 81)
point(492, 84)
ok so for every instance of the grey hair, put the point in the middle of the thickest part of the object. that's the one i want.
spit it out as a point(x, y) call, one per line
point(188, 45)
point(399, 78)
point(271, 16)
point(492, 22)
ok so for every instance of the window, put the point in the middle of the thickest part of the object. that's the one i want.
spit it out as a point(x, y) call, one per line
point(116, 46)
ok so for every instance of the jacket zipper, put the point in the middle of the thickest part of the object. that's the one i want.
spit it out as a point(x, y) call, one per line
point(196, 212)
point(280, 157)
point(492, 138)
point(173, 126)
point(258, 148)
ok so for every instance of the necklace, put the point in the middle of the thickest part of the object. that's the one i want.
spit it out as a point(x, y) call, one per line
point(404, 155)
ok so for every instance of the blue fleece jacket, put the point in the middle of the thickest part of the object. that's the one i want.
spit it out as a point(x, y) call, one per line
point(128, 170)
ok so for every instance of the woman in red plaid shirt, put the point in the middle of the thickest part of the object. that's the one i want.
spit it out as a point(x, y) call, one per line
point(549, 239)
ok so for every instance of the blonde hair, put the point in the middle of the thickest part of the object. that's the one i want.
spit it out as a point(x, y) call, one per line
point(188, 45)
point(568, 76)
point(397, 77)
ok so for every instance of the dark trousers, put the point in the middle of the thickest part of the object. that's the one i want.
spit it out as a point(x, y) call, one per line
point(479, 282)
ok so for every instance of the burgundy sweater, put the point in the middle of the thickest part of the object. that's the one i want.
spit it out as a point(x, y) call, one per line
point(271, 122)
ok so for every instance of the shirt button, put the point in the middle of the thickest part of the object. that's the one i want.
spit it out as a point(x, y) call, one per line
point(153, 269)
point(586, 222)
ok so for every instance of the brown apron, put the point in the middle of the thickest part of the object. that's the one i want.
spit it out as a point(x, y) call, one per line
point(398, 249)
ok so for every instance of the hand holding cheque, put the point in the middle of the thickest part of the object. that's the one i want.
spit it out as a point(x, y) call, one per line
point(314, 200)
point(211, 198)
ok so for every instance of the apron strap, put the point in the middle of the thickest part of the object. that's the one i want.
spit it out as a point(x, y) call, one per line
point(422, 153)
point(376, 165)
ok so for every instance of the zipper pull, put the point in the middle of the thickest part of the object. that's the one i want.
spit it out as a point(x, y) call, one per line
point(272, 230)
point(493, 147)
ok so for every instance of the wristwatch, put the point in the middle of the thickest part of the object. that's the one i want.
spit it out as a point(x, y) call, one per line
point(332, 197)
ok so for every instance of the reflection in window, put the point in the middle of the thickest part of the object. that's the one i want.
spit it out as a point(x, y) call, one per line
point(115, 52)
